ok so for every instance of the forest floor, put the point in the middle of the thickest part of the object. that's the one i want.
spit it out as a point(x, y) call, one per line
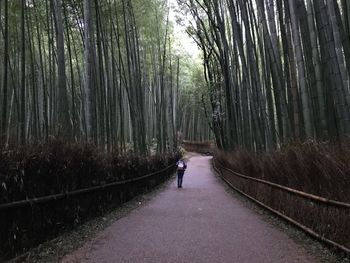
point(205, 221)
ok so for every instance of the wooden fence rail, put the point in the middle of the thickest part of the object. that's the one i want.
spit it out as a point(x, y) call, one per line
point(27, 223)
point(324, 219)
point(55, 197)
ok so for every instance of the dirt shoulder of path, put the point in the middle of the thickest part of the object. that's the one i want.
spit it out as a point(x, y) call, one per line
point(54, 250)
point(320, 250)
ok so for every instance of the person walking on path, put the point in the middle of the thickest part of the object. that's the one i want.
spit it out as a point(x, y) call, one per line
point(181, 167)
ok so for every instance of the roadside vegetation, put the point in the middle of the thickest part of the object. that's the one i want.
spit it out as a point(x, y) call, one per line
point(98, 91)
point(38, 170)
point(319, 169)
point(277, 89)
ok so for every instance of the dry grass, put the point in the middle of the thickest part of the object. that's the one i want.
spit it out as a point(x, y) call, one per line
point(58, 167)
point(319, 169)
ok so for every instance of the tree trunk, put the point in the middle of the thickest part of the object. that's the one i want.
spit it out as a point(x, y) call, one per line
point(64, 128)
point(301, 72)
point(88, 57)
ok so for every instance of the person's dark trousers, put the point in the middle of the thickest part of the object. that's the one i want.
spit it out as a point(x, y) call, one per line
point(180, 176)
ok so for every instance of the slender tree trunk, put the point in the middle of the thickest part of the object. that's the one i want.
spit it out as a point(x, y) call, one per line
point(5, 74)
point(64, 125)
point(88, 68)
point(301, 72)
point(23, 133)
point(318, 69)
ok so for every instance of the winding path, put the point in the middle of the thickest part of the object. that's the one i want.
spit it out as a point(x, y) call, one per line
point(198, 223)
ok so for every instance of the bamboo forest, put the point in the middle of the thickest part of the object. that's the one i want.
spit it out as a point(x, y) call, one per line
point(101, 99)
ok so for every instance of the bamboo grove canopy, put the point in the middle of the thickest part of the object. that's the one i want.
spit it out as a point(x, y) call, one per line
point(108, 72)
point(100, 71)
point(277, 70)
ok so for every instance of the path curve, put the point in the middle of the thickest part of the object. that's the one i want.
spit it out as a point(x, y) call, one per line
point(199, 223)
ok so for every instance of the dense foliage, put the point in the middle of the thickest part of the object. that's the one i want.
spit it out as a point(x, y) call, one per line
point(97, 71)
point(318, 169)
point(60, 168)
point(57, 167)
point(276, 71)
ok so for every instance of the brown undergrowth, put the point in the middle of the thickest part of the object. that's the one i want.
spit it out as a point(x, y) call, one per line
point(319, 169)
point(56, 167)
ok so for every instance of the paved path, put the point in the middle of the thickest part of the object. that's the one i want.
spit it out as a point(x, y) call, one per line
point(198, 223)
